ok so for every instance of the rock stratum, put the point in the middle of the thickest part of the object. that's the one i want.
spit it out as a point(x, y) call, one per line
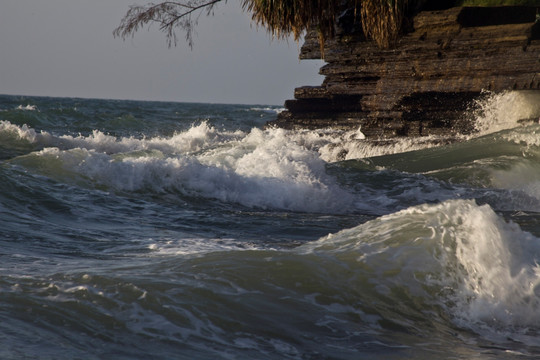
point(427, 83)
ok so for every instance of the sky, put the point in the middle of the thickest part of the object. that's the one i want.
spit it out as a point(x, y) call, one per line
point(65, 48)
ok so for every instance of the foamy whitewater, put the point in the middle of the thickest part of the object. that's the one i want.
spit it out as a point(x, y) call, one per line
point(151, 230)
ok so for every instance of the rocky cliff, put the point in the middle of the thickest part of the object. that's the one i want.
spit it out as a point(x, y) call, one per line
point(428, 81)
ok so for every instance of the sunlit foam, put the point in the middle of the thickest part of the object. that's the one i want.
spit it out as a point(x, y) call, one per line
point(22, 132)
point(267, 169)
point(500, 111)
point(462, 256)
point(494, 113)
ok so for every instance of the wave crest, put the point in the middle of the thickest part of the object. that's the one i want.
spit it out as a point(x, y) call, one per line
point(265, 169)
point(457, 255)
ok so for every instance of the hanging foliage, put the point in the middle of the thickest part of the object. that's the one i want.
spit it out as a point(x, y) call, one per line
point(381, 19)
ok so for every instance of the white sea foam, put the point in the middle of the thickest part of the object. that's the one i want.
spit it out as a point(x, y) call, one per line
point(21, 132)
point(27, 107)
point(528, 136)
point(336, 145)
point(522, 175)
point(267, 169)
point(268, 109)
point(198, 246)
point(195, 139)
point(504, 110)
point(494, 113)
point(272, 169)
point(347, 147)
point(483, 270)
point(491, 265)
point(497, 276)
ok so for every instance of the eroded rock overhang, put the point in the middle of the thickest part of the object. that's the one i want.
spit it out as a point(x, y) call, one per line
point(427, 83)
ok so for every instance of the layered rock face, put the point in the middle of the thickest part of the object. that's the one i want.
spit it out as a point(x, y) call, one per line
point(426, 84)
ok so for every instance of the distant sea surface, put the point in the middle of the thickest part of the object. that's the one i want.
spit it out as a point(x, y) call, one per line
point(151, 230)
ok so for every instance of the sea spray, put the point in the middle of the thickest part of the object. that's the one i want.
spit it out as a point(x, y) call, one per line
point(259, 169)
point(500, 111)
point(457, 256)
point(492, 113)
point(270, 169)
point(18, 132)
point(491, 267)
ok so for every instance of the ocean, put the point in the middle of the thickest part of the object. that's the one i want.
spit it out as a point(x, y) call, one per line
point(153, 230)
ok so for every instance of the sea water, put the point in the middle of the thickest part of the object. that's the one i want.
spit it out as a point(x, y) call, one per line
point(151, 230)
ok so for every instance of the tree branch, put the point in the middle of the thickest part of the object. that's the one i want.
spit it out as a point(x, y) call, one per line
point(192, 9)
point(168, 15)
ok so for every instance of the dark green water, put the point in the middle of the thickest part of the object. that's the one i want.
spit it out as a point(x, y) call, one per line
point(145, 230)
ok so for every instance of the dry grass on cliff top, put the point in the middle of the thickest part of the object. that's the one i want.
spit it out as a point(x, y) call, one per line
point(498, 3)
point(381, 19)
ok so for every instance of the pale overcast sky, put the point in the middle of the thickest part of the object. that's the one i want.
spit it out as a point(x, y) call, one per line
point(66, 48)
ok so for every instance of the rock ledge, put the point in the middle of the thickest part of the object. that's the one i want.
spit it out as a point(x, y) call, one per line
point(427, 83)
